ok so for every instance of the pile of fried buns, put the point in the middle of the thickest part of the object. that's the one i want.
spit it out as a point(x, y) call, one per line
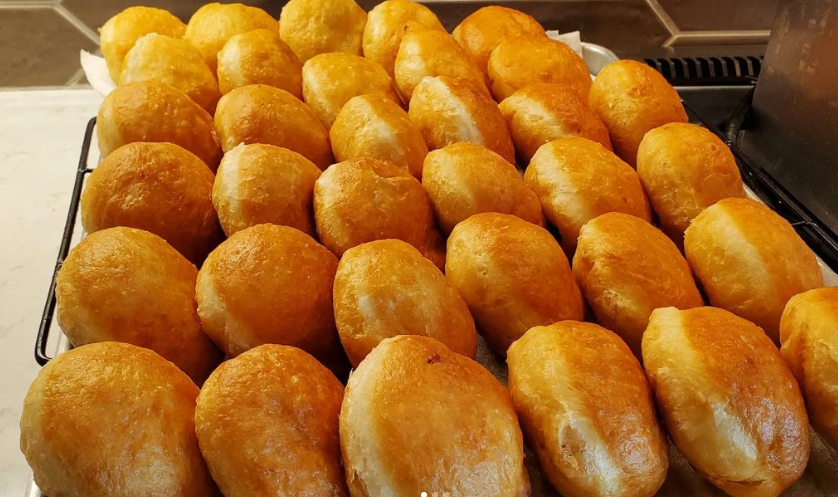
point(282, 201)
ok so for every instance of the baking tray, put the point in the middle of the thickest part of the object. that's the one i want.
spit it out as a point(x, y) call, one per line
point(821, 476)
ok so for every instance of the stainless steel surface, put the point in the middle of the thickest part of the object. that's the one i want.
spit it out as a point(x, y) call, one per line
point(713, 103)
point(596, 57)
point(796, 106)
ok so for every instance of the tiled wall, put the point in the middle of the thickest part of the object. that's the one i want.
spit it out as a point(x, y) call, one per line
point(40, 39)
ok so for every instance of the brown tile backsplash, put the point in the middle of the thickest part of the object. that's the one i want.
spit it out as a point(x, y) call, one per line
point(39, 46)
point(618, 24)
point(721, 15)
point(94, 13)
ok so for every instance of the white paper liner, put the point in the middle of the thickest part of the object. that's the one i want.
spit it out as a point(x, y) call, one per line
point(96, 71)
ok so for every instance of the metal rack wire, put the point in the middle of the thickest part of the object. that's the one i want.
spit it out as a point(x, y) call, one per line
point(66, 239)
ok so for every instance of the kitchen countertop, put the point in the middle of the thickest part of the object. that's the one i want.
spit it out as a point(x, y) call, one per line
point(40, 140)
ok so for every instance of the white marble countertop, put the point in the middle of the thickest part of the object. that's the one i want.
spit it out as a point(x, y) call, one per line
point(40, 140)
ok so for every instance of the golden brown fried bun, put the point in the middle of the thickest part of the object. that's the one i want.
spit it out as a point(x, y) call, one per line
point(270, 284)
point(259, 57)
point(118, 35)
point(627, 268)
point(428, 52)
point(586, 410)
point(448, 110)
point(267, 424)
point(263, 114)
point(157, 187)
point(577, 180)
point(375, 126)
point(365, 199)
point(173, 61)
point(258, 184)
point(387, 288)
point(809, 333)
point(543, 112)
point(128, 285)
point(684, 169)
point(127, 426)
point(631, 98)
point(464, 179)
point(156, 112)
point(213, 24)
point(486, 28)
point(312, 27)
point(727, 399)
point(527, 60)
point(750, 261)
point(331, 79)
point(513, 276)
point(386, 25)
point(412, 397)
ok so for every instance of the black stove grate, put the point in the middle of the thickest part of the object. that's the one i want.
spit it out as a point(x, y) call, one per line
point(708, 71)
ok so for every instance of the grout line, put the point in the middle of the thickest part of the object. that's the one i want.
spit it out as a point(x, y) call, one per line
point(663, 17)
point(75, 78)
point(670, 41)
point(34, 4)
point(740, 36)
point(75, 21)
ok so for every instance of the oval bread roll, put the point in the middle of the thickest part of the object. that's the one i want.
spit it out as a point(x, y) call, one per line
point(375, 126)
point(543, 112)
point(428, 52)
point(631, 98)
point(346, 217)
point(464, 179)
point(270, 284)
point(258, 184)
point(395, 414)
point(156, 112)
point(577, 180)
point(684, 169)
point(487, 27)
point(386, 25)
point(267, 424)
point(331, 79)
point(627, 268)
point(728, 400)
point(312, 27)
point(513, 276)
point(157, 187)
point(750, 261)
point(387, 288)
point(809, 333)
point(118, 35)
point(212, 25)
point(172, 61)
point(263, 114)
point(259, 57)
point(448, 110)
point(127, 426)
point(128, 285)
point(527, 60)
point(586, 409)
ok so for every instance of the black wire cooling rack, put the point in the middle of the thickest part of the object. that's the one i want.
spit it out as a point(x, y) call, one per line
point(820, 238)
point(66, 239)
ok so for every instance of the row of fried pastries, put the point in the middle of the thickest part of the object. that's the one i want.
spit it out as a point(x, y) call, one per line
point(543, 86)
point(419, 416)
point(316, 43)
point(425, 415)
